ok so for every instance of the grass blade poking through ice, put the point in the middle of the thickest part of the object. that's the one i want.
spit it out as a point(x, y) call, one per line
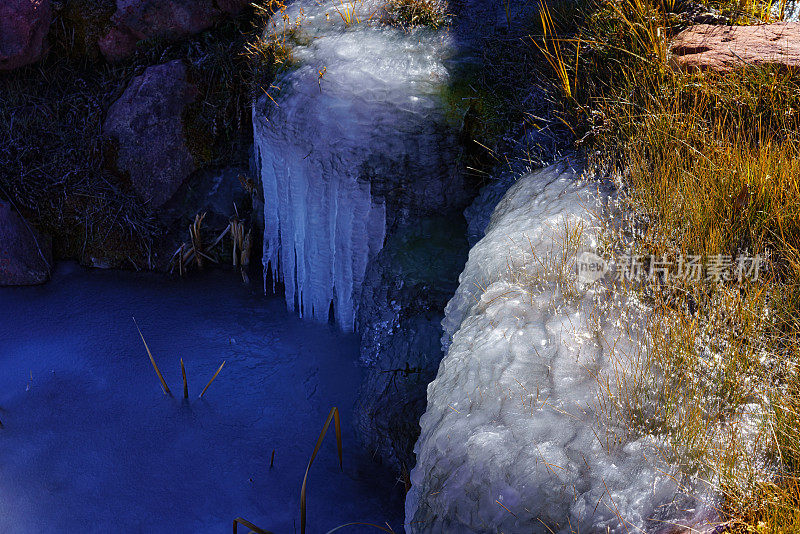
point(239, 521)
point(212, 379)
point(185, 384)
point(164, 385)
point(335, 416)
point(387, 528)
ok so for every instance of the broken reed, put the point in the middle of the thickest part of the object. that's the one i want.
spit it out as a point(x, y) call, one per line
point(164, 385)
point(333, 415)
point(212, 380)
point(241, 242)
point(185, 383)
point(247, 524)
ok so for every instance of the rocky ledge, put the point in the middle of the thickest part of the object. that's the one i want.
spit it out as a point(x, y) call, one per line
point(723, 48)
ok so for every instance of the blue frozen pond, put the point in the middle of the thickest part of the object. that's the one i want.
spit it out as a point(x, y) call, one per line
point(91, 444)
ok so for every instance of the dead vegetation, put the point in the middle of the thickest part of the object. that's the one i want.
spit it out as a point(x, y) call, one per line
point(55, 163)
point(707, 163)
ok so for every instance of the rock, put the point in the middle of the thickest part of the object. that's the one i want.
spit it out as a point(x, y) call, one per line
point(724, 48)
point(25, 255)
point(136, 20)
point(146, 125)
point(400, 321)
point(213, 191)
point(233, 7)
point(23, 28)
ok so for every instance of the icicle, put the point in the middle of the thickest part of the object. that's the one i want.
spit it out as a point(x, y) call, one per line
point(321, 140)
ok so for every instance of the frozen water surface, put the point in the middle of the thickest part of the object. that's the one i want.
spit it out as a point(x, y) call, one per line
point(91, 444)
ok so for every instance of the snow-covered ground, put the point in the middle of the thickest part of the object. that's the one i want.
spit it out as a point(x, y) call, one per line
point(515, 438)
point(91, 444)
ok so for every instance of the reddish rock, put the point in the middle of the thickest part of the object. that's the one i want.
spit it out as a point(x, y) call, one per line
point(25, 254)
point(146, 125)
point(23, 28)
point(136, 20)
point(723, 48)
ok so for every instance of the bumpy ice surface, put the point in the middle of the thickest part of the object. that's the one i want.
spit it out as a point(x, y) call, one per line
point(510, 440)
point(356, 108)
point(91, 444)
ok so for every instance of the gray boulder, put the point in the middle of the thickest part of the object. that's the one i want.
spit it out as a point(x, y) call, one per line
point(146, 126)
point(23, 28)
point(25, 254)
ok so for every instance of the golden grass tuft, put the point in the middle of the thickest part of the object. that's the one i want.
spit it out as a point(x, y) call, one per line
point(708, 164)
point(409, 13)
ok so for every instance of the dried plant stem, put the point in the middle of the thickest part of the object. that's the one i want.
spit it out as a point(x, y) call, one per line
point(153, 361)
point(185, 383)
point(212, 379)
point(196, 238)
point(247, 245)
point(247, 524)
point(334, 415)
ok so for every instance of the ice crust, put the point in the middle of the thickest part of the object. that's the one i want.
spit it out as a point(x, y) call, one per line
point(509, 440)
point(91, 444)
point(356, 106)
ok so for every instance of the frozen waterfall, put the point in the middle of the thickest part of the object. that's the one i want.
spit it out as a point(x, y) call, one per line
point(336, 138)
point(510, 440)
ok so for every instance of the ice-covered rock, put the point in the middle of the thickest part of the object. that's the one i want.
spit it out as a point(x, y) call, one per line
point(515, 438)
point(400, 321)
point(353, 142)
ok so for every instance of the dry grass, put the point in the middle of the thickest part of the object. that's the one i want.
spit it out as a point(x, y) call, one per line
point(164, 385)
point(332, 416)
point(709, 166)
point(55, 164)
point(409, 13)
point(212, 380)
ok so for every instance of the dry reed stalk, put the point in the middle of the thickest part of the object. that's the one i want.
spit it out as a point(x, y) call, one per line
point(185, 383)
point(239, 521)
point(197, 240)
point(333, 415)
point(212, 379)
point(153, 361)
point(247, 245)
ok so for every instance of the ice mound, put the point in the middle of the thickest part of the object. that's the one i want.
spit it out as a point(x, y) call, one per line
point(514, 439)
point(356, 118)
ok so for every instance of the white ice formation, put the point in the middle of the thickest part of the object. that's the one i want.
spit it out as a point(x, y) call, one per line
point(514, 439)
point(355, 113)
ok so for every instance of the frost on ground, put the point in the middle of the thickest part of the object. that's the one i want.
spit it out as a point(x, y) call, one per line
point(340, 138)
point(516, 436)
